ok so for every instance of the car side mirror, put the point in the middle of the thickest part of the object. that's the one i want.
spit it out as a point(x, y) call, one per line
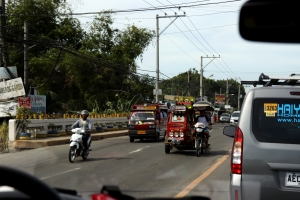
point(229, 131)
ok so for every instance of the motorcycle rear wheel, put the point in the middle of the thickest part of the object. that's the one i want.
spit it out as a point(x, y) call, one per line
point(84, 155)
point(72, 154)
point(198, 147)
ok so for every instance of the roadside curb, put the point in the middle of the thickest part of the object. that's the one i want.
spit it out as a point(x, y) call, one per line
point(38, 143)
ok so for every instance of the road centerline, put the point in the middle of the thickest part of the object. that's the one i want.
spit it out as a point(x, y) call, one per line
point(138, 150)
point(198, 180)
point(71, 170)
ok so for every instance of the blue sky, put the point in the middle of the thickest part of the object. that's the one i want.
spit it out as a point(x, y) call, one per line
point(207, 30)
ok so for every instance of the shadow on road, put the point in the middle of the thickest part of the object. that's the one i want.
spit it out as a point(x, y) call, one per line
point(97, 159)
point(211, 153)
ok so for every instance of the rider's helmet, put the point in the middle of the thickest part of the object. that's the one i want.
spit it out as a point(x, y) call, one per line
point(85, 112)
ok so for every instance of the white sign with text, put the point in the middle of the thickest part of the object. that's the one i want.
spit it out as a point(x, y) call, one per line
point(11, 88)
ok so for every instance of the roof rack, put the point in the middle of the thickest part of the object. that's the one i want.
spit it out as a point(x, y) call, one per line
point(268, 81)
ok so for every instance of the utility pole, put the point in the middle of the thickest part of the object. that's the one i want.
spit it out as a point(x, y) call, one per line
point(4, 61)
point(239, 99)
point(3, 34)
point(157, 46)
point(201, 73)
point(189, 83)
point(26, 85)
point(226, 91)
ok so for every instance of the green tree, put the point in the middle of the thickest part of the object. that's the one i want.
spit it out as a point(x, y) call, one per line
point(75, 68)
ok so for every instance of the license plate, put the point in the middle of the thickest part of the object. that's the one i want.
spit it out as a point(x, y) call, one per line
point(141, 132)
point(292, 179)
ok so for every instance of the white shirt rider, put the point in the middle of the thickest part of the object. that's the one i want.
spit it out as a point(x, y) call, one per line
point(203, 120)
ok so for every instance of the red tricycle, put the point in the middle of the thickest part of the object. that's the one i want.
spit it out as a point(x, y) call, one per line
point(183, 133)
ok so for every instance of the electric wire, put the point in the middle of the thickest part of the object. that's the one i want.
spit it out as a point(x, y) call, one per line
point(202, 36)
point(182, 49)
point(125, 11)
point(206, 43)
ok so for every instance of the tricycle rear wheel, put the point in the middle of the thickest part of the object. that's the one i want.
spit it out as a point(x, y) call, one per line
point(167, 148)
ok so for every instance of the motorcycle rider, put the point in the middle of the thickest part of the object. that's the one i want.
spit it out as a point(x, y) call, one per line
point(205, 120)
point(85, 124)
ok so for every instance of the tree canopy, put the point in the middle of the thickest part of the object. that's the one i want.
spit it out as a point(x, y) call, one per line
point(76, 68)
point(93, 68)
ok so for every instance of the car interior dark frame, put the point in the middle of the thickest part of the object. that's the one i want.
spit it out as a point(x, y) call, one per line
point(260, 20)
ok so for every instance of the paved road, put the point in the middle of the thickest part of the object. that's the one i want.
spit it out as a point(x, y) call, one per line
point(140, 169)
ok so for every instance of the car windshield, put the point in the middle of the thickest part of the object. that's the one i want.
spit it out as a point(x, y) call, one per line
point(176, 117)
point(235, 115)
point(117, 60)
point(141, 116)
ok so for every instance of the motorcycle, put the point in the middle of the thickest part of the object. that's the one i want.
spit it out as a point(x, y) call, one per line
point(76, 145)
point(201, 141)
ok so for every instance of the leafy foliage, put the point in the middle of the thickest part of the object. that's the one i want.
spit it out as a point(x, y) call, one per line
point(76, 68)
point(4, 140)
point(22, 115)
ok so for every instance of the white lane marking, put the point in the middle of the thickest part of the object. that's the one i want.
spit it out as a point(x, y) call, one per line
point(71, 170)
point(138, 150)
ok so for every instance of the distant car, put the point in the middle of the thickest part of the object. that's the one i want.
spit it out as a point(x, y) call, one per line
point(235, 117)
point(225, 117)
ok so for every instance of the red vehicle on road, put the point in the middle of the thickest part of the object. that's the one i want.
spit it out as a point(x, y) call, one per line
point(148, 121)
point(179, 128)
point(181, 134)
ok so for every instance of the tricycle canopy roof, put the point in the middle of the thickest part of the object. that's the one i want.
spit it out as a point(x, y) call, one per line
point(203, 105)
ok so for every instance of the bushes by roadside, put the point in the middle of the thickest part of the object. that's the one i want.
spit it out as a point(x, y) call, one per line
point(4, 138)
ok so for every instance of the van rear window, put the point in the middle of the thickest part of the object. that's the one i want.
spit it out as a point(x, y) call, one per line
point(276, 120)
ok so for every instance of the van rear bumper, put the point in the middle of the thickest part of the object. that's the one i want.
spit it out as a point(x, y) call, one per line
point(235, 186)
point(136, 134)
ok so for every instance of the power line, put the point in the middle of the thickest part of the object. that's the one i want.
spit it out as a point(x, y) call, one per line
point(228, 67)
point(146, 70)
point(182, 50)
point(187, 28)
point(182, 5)
point(155, 8)
point(202, 36)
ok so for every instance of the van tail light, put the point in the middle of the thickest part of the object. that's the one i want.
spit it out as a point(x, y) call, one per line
point(237, 152)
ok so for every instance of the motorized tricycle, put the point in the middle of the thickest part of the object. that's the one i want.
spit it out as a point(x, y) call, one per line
point(183, 132)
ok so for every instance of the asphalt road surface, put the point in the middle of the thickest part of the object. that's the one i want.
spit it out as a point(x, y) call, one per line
point(140, 169)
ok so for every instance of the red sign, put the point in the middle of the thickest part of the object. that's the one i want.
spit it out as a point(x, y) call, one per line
point(220, 98)
point(25, 101)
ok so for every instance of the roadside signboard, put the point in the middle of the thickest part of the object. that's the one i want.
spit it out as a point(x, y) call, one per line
point(8, 107)
point(227, 106)
point(220, 98)
point(25, 101)
point(38, 103)
point(11, 88)
point(157, 92)
point(5, 75)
